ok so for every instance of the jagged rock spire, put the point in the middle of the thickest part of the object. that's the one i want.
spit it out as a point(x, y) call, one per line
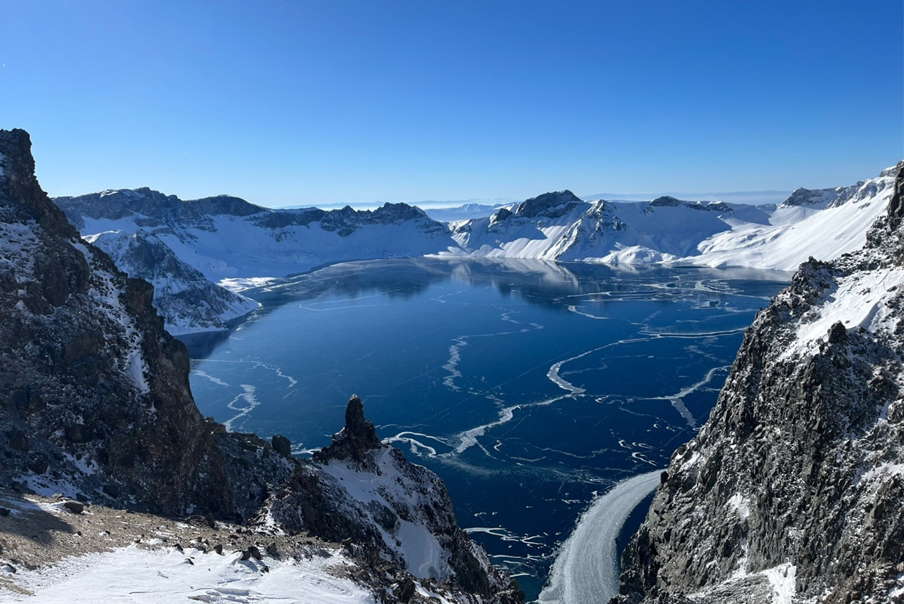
point(354, 441)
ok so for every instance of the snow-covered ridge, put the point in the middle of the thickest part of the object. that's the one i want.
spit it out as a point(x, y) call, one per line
point(822, 223)
point(229, 238)
point(236, 244)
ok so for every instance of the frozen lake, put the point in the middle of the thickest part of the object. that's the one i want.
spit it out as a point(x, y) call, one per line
point(529, 387)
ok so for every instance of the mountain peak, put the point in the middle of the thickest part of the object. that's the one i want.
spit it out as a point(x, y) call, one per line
point(668, 201)
point(810, 197)
point(551, 205)
point(18, 182)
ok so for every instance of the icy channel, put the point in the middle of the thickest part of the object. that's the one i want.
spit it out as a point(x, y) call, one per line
point(586, 569)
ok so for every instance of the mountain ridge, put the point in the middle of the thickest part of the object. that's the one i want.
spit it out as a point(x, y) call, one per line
point(792, 489)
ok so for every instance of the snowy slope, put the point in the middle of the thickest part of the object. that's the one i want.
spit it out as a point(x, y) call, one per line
point(187, 300)
point(825, 230)
point(140, 575)
point(824, 223)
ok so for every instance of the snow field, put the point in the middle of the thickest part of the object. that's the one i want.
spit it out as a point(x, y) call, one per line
point(139, 576)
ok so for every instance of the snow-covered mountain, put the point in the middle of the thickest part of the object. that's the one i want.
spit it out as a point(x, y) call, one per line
point(229, 238)
point(559, 226)
point(187, 300)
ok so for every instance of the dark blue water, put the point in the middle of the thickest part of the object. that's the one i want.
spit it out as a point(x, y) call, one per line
point(527, 386)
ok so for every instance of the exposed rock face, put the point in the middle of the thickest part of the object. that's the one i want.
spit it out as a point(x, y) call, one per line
point(896, 204)
point(87, 371)
point(811, 197)
point(550, 205)
point(156, 212)
point(795, 484)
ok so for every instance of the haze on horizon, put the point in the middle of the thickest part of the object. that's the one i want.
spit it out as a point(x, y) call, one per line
point(320, 103)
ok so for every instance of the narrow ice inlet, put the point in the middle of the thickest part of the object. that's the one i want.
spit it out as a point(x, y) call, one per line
point(586, 568)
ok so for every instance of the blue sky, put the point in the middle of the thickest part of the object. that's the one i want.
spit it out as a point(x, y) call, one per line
point(293, 103)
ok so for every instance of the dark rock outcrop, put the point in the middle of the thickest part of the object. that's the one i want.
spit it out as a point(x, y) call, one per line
point(795, 483)
point(550, 205)
point(281, 445)
point(896, 204)
point(354, 441)
point(86, 367)
point(810, 197)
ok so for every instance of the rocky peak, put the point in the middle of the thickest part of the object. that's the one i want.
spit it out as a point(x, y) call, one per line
point(550, 205)
point(19, 184)
point(667, 201)
point(225, 204)
point(502, 215)
point(354, 440)
point(810, 197)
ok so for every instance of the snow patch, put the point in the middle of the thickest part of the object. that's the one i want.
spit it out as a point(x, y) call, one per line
point(152, 576)
point(386, 487)
point(857, 300)
point(740, 505)
point(782, 579)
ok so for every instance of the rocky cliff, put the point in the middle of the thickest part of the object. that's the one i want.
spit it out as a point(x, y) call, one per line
point(793, 490)
point(95, 404)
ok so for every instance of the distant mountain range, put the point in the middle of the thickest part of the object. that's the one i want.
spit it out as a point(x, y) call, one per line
point(231, 242)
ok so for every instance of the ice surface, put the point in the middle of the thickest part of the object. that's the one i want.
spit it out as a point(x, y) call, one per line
point(586, 568)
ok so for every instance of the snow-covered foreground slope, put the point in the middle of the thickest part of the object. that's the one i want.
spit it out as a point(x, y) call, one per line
point(158, 576)
point(186, 299)
point(823, 223)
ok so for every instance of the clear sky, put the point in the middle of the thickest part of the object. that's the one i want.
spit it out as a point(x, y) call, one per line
point(291, 103)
